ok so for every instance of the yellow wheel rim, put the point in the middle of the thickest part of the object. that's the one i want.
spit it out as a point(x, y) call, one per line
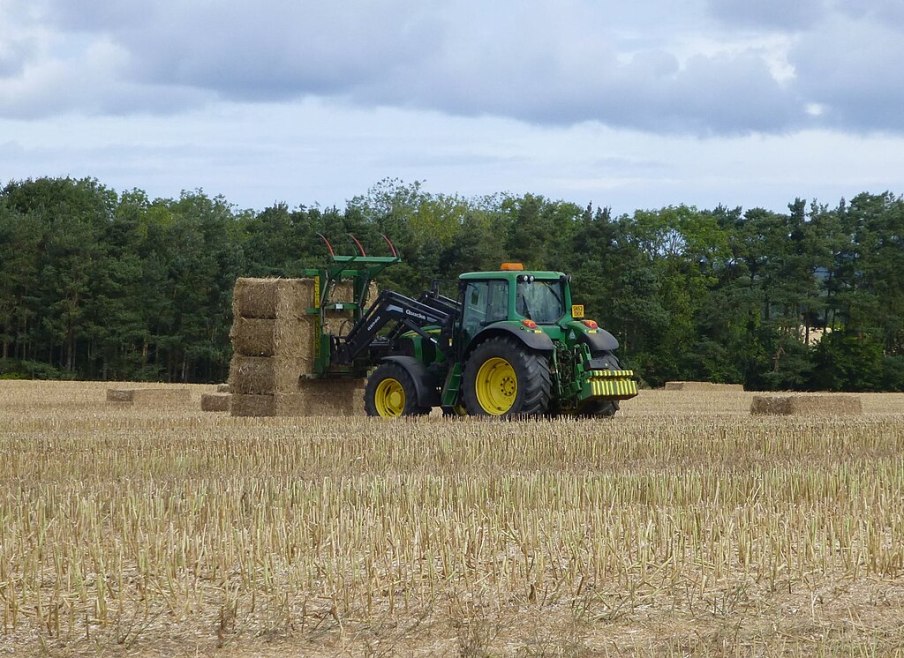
point(389, 397)
point(496, 386)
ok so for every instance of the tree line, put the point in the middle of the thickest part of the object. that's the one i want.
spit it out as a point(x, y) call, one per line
point(96, 284)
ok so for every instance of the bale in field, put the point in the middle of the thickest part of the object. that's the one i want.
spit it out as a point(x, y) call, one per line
point(312, 398)
point(287, 298)
point(702, 386)
point(806, 405)
point(223, 388)
point(261, 375)
point(149, 397)
point(253, 405)
point(272, 298)
point(338, 322)
point(265, 337)
point(215, 401)
point(120, 395)
point(333, 397)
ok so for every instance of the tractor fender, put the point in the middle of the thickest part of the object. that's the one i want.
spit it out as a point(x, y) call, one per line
point(600, 341)
point(425, 382)
point(539, 342)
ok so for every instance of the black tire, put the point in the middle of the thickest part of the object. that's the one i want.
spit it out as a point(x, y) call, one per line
point(599, 409)
point(390, 393)
point(522, 390)
point(602, 408)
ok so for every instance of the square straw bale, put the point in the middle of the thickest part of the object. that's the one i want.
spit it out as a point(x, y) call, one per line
point(288, 404)
point(150, 397)
point(252, 405)
point(770, 405)
point(215, 401)
point(322, 397)
point(272, 298)
point(806, 405)
point(120, 395)
point(338, 323)
point(289, 337)
point(333, 397)
point(262, 375)
point(702, 386)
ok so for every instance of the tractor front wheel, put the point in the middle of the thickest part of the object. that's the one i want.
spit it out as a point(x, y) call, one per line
point(390, 393)
point(504, 378)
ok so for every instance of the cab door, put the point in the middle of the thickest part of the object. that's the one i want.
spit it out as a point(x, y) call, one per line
point(482, 303)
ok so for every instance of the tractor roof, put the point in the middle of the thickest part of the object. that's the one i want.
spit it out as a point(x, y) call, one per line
point(510, 275)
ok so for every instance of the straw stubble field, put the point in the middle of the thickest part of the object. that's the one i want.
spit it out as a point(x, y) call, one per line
point(682, 526)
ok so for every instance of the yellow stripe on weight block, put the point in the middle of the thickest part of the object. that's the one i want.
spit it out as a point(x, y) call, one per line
point(611, 373)
point(618, 388)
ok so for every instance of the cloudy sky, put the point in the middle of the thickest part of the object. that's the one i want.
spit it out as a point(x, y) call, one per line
point(629, 105)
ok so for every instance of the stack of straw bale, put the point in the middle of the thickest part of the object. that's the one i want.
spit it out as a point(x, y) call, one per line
point(273, 340)
point(806, 405)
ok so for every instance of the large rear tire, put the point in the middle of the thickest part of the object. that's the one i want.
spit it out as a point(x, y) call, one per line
point(390, 393)
point(504, 378)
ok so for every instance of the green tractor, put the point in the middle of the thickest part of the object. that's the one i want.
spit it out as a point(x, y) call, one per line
point(512, 345)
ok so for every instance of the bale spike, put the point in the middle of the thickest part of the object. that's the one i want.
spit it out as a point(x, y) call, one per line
point(328, 245)
point(358, 245)
point(392, 248)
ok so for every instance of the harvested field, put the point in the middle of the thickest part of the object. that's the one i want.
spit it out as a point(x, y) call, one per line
point(684, 525)
point(806, 405)
point(702, 386)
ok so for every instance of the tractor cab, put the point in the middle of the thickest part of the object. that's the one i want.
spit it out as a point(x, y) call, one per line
point(536, 302)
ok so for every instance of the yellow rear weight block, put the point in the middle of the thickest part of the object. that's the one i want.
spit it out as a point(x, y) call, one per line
point(612, 383)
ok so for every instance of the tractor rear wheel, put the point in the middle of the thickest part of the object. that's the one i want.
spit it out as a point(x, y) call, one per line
point(504, 378)
point(391, 393)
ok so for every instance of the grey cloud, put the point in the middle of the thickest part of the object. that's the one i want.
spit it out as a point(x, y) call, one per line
point(886, 12)
point(651, 91)
point(566, 63)
point(771, 14)
point(851, 70)
point(250, 52)
point(14, 54)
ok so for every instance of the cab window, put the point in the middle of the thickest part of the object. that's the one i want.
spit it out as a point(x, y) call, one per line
point(485, 302)
point(540, 301)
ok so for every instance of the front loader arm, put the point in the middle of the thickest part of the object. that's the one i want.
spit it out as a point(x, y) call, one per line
point(391, 307)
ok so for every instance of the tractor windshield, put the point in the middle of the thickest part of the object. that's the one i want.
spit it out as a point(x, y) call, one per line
point(540, 301)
